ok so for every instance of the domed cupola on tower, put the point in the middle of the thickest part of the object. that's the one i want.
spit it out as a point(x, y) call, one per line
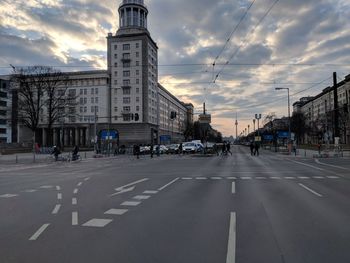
point(132, 16)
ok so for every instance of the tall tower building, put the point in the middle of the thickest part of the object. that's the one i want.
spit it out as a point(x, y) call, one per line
point(133, 70)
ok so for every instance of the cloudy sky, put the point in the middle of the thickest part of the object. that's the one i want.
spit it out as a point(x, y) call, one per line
point(277, 43)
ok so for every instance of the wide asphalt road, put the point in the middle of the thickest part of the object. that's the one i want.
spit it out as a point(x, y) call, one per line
point(177, 209)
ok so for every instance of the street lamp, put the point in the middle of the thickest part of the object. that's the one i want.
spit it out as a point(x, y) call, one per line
point(289, 131)
point(248, 129)
point(254, 126)
point(258, 117)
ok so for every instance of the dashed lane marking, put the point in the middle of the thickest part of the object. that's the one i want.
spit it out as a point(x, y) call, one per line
point(289, 178)
point(38, 232)
point(75, 191)
point(87, 179)
point(303, 177)
point(216, 178)
point(30, 190)
point(245, 178)
point(150, 192)
point(74, 201)
point(46, 187)
point(116, 211)
point(74, 218)
point(8, 195)
point(80, 183)
point(233, 188)
point(201, 178)
point(318, 177)
point(141, 197)
point(186, 178)
point(333, 177)
point(231, 246)
point(58, 188)
point(56, 209)
point(59, 196)
point(131, 203)
point(96, 222)
point(275, 178)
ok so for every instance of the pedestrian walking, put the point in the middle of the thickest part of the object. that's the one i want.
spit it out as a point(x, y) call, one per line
point(256, 147)
point(151, 149)
point(252, 147)
point(138, 149)
point(228, 147)
point(180, 148)
point(56, 152)
point(223, 149)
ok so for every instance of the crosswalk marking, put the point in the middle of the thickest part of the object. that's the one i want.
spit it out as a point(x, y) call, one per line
point(8, 195)
point(97, 222)
point(116, 211)
point(131, 203)
point(141, 197)
point(150, 192)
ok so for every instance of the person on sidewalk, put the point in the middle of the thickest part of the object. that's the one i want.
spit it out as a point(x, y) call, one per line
point(151, 149)
point(180, 148)
point(228, 147)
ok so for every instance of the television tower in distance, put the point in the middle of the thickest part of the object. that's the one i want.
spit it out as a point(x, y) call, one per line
point(236, 123)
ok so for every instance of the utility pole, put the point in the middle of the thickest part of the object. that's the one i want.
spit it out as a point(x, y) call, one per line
point(336, 109)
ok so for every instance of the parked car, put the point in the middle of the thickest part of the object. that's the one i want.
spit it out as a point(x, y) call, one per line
point(173, 148)
point(162, 149)
point(145, 150)
point(191, 147)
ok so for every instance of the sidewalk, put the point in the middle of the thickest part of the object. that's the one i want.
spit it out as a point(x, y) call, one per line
point(305, 153)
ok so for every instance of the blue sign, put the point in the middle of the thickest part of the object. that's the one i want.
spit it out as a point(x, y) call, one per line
point(268, 137)
point(283, 134)
point(165, 138)
point(111, 135)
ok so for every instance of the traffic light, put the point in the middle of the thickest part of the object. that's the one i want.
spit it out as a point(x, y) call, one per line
point(137, 117)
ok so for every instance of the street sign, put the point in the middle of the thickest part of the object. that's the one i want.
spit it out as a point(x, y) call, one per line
point(109, 135)
point(283, 134)
point(268, 137)
point(165, 138)
point(257, 138)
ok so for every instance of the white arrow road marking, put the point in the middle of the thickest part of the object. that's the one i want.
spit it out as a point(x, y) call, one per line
point(124, 190)
point(39, 232)
point(133, 183)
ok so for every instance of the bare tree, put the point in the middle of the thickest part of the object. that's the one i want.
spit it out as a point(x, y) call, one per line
point(30, 87)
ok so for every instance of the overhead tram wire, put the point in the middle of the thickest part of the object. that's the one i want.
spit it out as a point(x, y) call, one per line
point(232, 32)
point(245, 39)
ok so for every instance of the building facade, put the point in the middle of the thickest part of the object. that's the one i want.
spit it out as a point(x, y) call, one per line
point(124, 104)
point(319, 114)
point(5, 117)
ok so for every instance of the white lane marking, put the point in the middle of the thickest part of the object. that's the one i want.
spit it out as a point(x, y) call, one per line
point(231, 246)
point(46, 187)
point(75, 191)
point(8, 195)
point(150, 192)
point(318, 177)
point(290, 178)
point(201, 178)
point(308, 165)
point(74, 218)
point(303, 177)
point(133, 183)
point(87, 178)
point(74, 201)
point(232, 177)
point(333, 177)
point(186, 178)
point(141, 197)
point(331, 165)
point(116, 211)
point(79, 184)
point(96, 222)
point(310, 190)
point(124, 190)
point(130, 203)
point(275, 177)
point(245, 178)
point(30, 190)
point(58, 188)
point(216, 178)
point(260, 177)
point(233, 187)
point(165, 186)
point(59, 196)
point(39, 232)
point(56, 209)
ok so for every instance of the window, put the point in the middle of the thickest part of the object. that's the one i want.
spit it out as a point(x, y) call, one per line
point(137, 90)
point(126, 118)
point(126, 46)
point(126, 91)
point(96, 91)
point(85, 91)
point(96, 100)
point(115, 100)
point(126, 82)
point(137, 99)
point(115, 73)
point(92, 108)
point(137, 81)
point(2, 131)
point(115, 109)
point(81, 101)
point(115, 56)
point(137, 72)
point(137, 45)
point(116, 64)
point(115, 47)
point(126, 100)
point(96, 107)
point(137, 63)
point(137, 108)
point(115, 118)
point(85, 100)
point(126, 56)
point(137, 54)
point(126, 65)
point(81, 109)
point(115, 82)
point(85, 109)
point(81, 91)
point(126, 109)
point(126, 73)
point(72, 92)
point(92, 100)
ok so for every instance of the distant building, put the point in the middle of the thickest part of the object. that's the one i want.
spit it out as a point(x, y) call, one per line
point(5, 104)
point(319, 114)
